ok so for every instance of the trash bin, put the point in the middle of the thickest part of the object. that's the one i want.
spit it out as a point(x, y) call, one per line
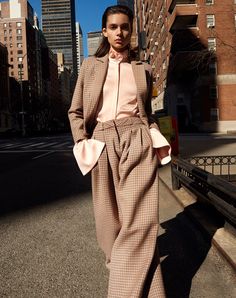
point(168, 127)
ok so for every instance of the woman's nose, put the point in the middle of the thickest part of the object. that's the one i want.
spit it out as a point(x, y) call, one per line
point(119, 31)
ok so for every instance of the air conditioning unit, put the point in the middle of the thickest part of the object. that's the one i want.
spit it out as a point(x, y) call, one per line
point(156, 43)
point(210, 25)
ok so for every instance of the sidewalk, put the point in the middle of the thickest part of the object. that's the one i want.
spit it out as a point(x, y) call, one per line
point(223, 239)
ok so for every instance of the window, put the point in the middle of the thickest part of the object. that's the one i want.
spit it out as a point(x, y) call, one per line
point(5, 32)
point(10, 31)
point(5, 38)
point(18, 24)
point(19, 38)
point(213, 92)
point(19, 45)
point(11, 59)
point(18, 31)
point(213, 68)
point(19, 59)
point(12, 73)
point(210, 18)
point(20, 52)
point(214, 114)
point(5, 25)
point(9, 25)
point(164, 64)
point(211, 44)
point(21, 66)
point(209, 2)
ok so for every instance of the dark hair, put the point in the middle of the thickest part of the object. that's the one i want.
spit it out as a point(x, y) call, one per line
point(104, 46)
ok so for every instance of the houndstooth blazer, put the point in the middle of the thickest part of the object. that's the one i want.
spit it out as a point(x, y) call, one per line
point(88, 91)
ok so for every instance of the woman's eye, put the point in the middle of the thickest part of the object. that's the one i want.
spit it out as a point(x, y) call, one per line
point(125, 27)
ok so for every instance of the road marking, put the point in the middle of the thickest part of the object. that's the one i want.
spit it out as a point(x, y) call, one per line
point(31, 145)
point(42, 155)
point(47, 144)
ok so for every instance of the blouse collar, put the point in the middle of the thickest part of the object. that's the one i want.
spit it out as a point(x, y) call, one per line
point(118, 56)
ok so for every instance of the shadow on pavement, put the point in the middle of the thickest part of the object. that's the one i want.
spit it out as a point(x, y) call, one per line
point(184, 249)
point(42, 181)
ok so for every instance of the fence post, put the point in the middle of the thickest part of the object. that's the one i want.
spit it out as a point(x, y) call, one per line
point(175, 180)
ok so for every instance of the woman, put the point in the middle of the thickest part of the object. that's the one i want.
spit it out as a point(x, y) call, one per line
point(115, 138)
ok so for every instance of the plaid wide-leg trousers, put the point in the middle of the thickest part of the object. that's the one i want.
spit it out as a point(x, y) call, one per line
point(125, 198)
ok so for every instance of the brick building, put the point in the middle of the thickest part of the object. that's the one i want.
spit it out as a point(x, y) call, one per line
point(18, 35)
point(5, 119)
point(191, 46)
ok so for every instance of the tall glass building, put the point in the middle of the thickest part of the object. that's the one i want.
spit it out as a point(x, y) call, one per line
point(58, 22)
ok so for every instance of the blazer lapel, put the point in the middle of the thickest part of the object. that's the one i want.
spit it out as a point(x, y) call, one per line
point(141, 82)
point(100, 70)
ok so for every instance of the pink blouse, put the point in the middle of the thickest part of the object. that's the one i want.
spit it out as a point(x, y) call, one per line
point(119, 100)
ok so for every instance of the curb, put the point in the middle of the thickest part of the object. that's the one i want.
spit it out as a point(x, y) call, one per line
point(222, 239)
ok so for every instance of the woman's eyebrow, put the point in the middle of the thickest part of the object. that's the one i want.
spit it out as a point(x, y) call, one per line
point(115, 24)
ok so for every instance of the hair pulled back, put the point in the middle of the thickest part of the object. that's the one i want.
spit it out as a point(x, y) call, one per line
point(104, 46)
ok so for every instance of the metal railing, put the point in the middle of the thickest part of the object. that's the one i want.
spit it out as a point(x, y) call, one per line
point(219, 165)
point(218, 192)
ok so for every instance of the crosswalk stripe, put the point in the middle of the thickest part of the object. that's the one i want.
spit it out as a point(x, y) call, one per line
point(31, 145)
point(47, 145)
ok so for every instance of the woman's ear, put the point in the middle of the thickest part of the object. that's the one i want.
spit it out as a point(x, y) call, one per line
point(104, 32)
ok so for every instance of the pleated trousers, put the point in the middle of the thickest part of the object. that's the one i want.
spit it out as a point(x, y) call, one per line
point(125, 199)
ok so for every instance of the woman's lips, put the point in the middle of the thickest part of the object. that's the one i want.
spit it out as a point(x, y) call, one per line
point(118, 41)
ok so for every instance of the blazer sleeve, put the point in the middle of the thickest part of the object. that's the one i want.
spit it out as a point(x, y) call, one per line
point(75, 112)
point(148, 105)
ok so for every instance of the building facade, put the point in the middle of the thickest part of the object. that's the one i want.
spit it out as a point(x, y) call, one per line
point(79, 46)
point(5, 119)
point(186, 44)
point(93, 41)
point(58, 23)
point(18, 35)
point(129, 3)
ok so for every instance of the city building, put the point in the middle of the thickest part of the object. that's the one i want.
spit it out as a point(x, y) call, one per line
point(64, 80)
point(129, 3)
point(79, 46)
point(18, 35)
point(5, 119)
point(93, 41)
point(58, 23)
point(186, 43)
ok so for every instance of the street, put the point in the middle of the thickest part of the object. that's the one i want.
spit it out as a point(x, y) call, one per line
point(48, 245)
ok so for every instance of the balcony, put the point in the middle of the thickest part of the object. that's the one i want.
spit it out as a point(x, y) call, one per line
point(172, 3)
point(183, 16)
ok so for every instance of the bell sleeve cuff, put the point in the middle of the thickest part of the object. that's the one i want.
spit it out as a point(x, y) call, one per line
point(87, 153)
point(163, 149)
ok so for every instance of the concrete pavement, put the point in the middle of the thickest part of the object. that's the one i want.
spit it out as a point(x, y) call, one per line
point(48, 244)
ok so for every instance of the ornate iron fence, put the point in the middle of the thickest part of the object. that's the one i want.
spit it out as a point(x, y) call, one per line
point(218, 192)
point(223, 166)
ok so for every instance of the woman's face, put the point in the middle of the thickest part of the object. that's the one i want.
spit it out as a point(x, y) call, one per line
point(118, 31)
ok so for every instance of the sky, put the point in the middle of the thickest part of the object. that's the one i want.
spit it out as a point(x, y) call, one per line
point(88, 13)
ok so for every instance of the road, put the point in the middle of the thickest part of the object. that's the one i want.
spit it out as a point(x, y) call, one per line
point(48, 245)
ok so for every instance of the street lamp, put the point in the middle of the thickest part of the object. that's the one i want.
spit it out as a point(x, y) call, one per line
point(22, 97)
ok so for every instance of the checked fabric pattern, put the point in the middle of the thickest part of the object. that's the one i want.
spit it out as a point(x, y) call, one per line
point(125, 198)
